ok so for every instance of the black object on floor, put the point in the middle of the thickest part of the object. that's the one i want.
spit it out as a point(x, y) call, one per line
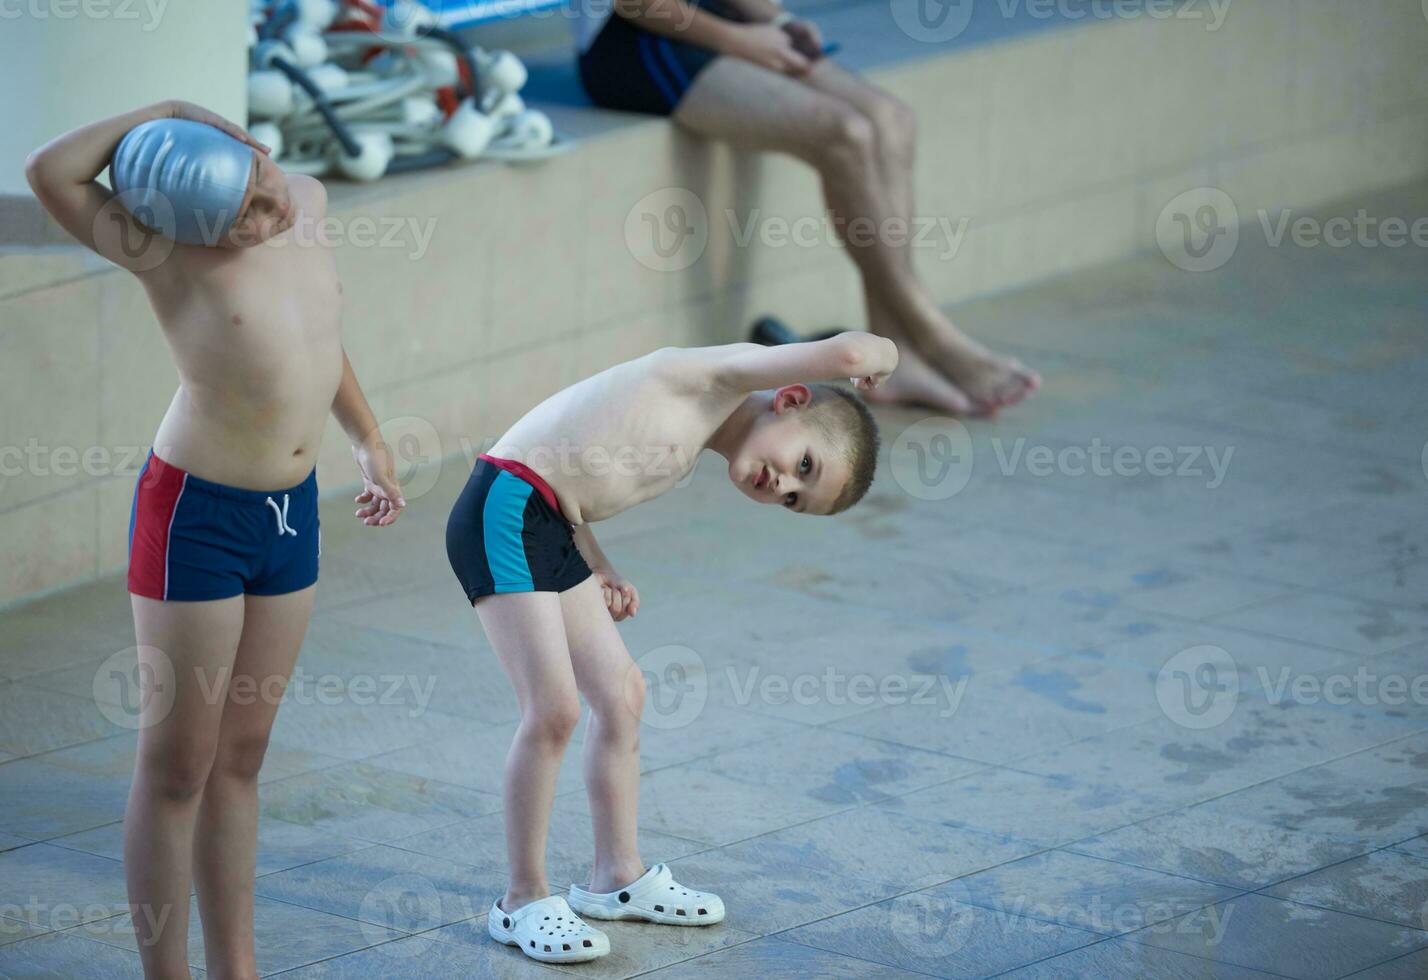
point(773, 332)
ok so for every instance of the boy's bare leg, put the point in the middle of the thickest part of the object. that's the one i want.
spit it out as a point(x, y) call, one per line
point(615, 690)
point(752, 107)
point(226, 842)
point(175, 754)
point(526, 630)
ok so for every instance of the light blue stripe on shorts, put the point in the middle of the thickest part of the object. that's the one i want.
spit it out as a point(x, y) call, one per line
point(502, 518)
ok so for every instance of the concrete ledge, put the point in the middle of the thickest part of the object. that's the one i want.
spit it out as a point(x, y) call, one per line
point(1046, 151)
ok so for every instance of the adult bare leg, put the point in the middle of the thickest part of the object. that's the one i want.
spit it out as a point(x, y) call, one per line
point(757, 109)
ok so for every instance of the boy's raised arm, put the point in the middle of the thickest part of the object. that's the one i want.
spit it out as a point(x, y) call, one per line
point(865, 359)
point(63, 173)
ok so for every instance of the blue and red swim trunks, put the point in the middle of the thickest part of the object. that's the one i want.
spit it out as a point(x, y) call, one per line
point(506, 534)
point(192, 539)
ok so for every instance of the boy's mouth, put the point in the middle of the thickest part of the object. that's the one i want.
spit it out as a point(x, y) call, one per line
point(762, 480)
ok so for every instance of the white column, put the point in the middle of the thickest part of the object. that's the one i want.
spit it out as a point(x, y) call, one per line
point(67, 62)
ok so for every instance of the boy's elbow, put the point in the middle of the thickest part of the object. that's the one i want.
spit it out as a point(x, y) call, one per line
point(40, 173)
point(852, 356)
point(35, 170)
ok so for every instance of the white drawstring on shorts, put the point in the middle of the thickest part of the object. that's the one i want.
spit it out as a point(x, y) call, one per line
point(282, 515)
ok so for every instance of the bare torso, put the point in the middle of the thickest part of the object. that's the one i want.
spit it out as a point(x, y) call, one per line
point(622, 436)
point(256, 335)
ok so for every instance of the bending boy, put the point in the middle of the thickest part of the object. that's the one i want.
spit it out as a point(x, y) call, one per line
point(519, 540)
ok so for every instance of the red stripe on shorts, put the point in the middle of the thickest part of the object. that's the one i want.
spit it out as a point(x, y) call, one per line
point(524, 472)
point(158, 492)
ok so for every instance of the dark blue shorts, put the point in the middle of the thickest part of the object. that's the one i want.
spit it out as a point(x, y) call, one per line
point(633, 70)
point(506, 534)
point(192, 539)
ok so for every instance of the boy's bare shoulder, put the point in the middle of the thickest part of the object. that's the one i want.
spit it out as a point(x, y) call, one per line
point(696, 370)
point(312, 193)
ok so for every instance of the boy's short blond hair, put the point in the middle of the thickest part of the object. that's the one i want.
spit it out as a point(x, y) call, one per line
point(846, 420)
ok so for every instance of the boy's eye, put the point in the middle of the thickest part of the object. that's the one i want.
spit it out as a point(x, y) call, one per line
point(806, 465)
point(790, 499)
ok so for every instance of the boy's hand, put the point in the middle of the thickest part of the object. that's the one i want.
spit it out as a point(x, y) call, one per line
point(197, 113)
point(621, 597)
point(888, 360)
point(381, 497)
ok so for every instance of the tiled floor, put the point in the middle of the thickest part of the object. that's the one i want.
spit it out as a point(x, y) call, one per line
point(1063, 722)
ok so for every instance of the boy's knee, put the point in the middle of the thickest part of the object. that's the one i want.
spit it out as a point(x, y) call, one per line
point(241, 756)
point(553, 723)
point(619, 701)
point(177, 774)
point(635, 691)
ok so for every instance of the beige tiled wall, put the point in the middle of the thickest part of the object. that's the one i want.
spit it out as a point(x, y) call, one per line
point(1060, 149)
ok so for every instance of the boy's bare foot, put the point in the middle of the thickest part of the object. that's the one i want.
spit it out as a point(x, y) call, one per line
point(519, 898)
point(916, 383)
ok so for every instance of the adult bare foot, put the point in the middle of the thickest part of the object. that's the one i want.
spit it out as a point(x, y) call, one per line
point(989, 380)
point(915, 382)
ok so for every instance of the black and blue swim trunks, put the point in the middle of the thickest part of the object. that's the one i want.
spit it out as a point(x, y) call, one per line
point(634, 70)
point(506, 534)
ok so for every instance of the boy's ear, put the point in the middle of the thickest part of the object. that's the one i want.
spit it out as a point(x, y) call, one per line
point(791, 396)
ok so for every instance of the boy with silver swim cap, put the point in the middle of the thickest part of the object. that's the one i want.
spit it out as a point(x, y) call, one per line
point(182, 178)
point(224, 538)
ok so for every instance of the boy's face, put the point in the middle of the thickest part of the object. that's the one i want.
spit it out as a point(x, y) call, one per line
point(267, 208)
point(788, 460)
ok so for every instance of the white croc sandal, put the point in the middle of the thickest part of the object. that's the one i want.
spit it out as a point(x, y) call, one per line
point(548, 931)
point(655, 897)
